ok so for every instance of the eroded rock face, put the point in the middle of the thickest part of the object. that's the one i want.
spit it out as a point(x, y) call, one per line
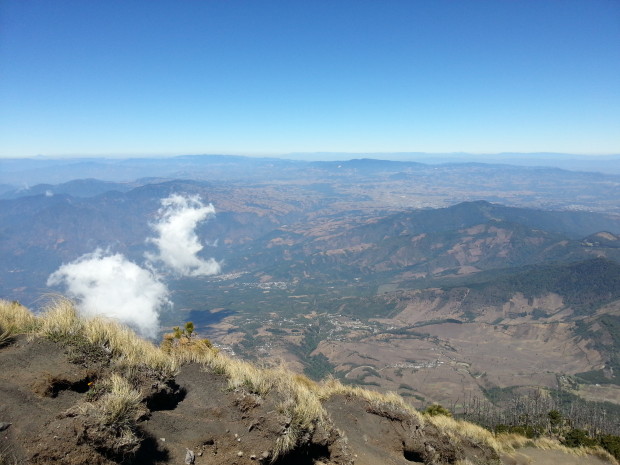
point(51, 399)
point(383, 434)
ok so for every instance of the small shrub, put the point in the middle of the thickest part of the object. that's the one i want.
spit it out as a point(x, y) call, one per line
point(578, 438)
point(436, 409)
point(555, 418)
point(501, 429)
point(611, 444)
point(187, 331)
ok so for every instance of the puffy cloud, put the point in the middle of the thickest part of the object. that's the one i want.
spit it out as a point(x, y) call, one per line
point(110, 285)
point(177, 243)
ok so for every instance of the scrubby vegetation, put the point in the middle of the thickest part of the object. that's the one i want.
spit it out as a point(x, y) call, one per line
point(436, 409)
point(543, 416)
point(15, 319)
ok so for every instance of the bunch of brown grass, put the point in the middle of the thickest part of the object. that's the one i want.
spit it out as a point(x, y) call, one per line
point(603, 455)
point(173, 342)
point(553, 444)
point(457, 429)
point(126, 348)
point(60, 320)
point(301, 406)
point(114, 414)
point(240, 374)
point(7, 458)
point(121, 404)
point(15, 319)
point(509, 442)
point(5, 336)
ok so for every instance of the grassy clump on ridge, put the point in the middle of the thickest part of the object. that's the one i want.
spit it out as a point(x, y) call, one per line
point(15, 319)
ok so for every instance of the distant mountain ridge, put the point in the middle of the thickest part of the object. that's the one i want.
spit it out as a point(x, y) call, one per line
point(467, 214)
point(75, 188)
point(23, 172)
point(466, 238)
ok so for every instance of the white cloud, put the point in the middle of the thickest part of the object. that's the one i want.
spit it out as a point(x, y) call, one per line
point(111, 285)
point(177, 242)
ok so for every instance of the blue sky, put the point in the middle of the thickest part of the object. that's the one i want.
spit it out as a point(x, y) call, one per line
point(271, 77)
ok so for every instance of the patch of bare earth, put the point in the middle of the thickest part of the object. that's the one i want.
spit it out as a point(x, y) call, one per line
point(38, 383)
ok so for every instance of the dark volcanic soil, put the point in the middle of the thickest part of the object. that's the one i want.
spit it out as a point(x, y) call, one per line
point(37, 383)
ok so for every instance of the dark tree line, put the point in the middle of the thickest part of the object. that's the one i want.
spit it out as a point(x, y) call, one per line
point(542, 412)
point(551, 413)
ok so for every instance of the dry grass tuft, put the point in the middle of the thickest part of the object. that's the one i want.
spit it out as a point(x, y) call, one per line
point(126, 348)
point(60, 320)
point(509, 442)
point(114, 415)
point(552, 444)
point(301, 407)
point(603, 455)
point(120, 406)
point(7, 458)
point(15, 319)
point(457, 429)
point(240, 374)
point(5, 336)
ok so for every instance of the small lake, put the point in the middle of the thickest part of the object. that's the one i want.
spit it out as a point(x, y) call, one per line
point(203, 319)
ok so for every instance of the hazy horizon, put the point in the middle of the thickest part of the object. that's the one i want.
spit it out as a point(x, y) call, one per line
point(322, 155)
